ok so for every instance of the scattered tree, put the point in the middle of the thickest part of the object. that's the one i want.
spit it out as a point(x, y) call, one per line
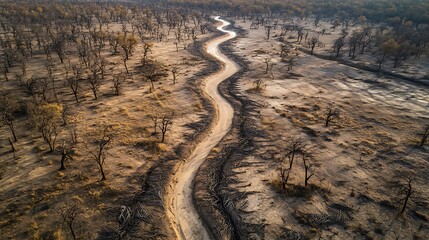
point(45, 118)
point(99, 153)
point(8, 107)
point(166, 122)
point(331, 115)
point(69, 215)
point(425, 136)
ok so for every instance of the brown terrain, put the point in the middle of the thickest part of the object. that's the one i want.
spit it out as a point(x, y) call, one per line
point(227, 133)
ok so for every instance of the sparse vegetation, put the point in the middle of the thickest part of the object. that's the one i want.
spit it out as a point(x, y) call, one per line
point(329, 105)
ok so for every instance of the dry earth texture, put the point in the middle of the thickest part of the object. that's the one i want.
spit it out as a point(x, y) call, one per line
point(35, 196)
point(358, 167)
point(323, 145)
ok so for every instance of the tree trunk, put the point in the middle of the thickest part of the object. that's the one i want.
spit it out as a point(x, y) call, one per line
point(63, 158)
point(75, 97)
point(12, 129)
point(163, 137)
point(103, 176)
point(95, 93)
point(72, 231)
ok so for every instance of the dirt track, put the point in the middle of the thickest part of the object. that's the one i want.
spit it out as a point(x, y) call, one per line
point(181, 211)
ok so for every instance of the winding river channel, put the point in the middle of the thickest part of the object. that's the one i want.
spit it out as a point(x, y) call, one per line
point(181, 210)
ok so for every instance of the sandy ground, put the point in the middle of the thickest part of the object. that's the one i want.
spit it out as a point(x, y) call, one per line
point(32, 190)
point(357, 159)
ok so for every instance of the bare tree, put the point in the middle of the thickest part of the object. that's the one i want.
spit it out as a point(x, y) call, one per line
point(259, 84)
point(99, 153)
point(118, 80)
point(73, 84)
point(312, 42)
point(296, 146)
point(424, 136)
point(69, 216)
point(8, 106)
point(165, 123)
point(65, 155)
point(405, 191)
point(338, 44)
point(268, 31)
point(331, 115)
point(306, 157)
point(94, 84)
point(153, 74)
point(146, 49)
point(154, 117)
point(268, 65)
point(290, 63)
point(175, 72)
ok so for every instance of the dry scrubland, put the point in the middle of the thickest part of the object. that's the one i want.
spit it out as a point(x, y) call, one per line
point(357, 161)
point(32, 190)
point(283, 172)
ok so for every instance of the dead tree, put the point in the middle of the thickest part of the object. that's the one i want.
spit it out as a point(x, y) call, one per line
point(312, 42)
point(8, 106)
point(259, 84)
point(146, 49)
point(65, 155)
point(118, 80)
point(290, 63)
point(175, 72)
point(99, 153)
point(284, 176)
point(306, 156)
point(331, 115)
point(154, 117)
point(69, 216)
point(338, 44)
point(424, 136)
point(73, 84)
point(268, 31)
point(296, 146)
point(405, 192)
point(267, 65)
point(166, 122)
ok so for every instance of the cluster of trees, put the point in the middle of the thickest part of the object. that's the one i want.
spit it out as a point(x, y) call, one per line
point(398, 42)
point(77, 47)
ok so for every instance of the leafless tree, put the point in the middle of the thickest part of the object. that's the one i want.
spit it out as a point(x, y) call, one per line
point(290, 63)
point(333, 113)
point(338, 44)
point(69, 215)
point(175, 72)
point(146, 49)
point(166, 122)
point(118, 80)
point(65, 155)
point(312, 42)
point(259, 84)
point(268, 31)
point(306, 159)
point(94, 84)
point(73, 84)
point(268, 65)
point(153, 73)
point(99, 153)
point(424, 136)
point(405, 191)
point(8, 106)
point(295, 146)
